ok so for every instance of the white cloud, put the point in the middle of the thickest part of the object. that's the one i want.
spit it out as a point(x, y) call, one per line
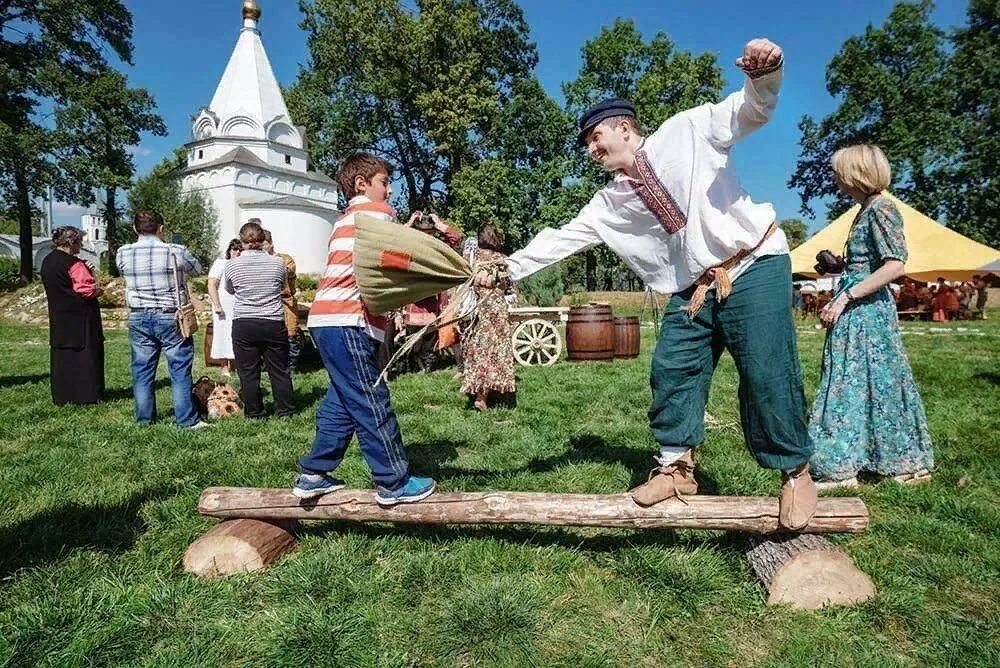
point(66, 209)
point(140, 151)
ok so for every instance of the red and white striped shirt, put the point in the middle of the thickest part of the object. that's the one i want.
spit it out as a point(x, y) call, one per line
point(338, 299)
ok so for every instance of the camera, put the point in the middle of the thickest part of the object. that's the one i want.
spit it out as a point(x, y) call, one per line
point(423, 222)
point(828, 263)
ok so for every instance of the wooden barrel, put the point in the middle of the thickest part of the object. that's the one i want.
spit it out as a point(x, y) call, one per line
point(627, 337)
point(590, 333)
point(209, 360)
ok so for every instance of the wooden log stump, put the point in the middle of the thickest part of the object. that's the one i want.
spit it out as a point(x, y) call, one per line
point(238, 546)
point(730, 513)
point(806, 571)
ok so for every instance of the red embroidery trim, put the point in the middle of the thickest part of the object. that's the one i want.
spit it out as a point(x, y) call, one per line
point(656, 197)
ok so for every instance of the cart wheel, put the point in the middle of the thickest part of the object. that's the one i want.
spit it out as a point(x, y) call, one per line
point(536, 343)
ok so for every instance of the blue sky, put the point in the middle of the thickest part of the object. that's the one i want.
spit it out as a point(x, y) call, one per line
point(182, 47)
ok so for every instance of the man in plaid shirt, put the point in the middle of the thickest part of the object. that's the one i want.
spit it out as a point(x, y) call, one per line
point(152, 326)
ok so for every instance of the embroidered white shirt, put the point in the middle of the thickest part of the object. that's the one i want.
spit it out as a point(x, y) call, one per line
point(688, 213)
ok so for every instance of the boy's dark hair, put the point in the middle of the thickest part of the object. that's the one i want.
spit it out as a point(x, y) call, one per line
point(147, 222)
point(360, 164)
point(252, 235)
point(234, 244)
point(489, 238)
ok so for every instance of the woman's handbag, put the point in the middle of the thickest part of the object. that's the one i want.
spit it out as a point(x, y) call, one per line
point(187, 319)
point(828, 263)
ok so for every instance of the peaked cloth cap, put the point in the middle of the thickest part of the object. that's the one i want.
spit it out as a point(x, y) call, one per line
point(601, 111)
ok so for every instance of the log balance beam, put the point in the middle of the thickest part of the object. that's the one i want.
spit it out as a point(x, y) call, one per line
point(728, 513)
point(803, 570)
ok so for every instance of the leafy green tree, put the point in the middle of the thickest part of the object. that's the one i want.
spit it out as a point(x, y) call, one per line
point(42, 45)
point(973, 182)
point(187, 215)
point(795, 230)
point(103, 118)
point(892, 84)
point(423, 85)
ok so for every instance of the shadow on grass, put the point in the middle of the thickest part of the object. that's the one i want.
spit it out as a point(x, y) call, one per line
point(571, 538)
point(990, 377)
point(14, 381)
point(52, 534)
point(119, 393)
point(427, 458)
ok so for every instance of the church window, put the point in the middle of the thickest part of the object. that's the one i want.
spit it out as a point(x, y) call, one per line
point(288, 159)
point(201, 154)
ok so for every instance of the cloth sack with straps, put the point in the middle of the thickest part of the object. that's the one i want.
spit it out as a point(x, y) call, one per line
point(187, 319)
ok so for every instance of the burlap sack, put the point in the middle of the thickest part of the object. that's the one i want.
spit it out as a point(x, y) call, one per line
point(396, 265)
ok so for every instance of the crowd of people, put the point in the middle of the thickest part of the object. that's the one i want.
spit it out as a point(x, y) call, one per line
point(940, 301)
point(725, 265)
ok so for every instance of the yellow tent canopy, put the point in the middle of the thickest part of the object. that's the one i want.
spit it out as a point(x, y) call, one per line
point(934, 249)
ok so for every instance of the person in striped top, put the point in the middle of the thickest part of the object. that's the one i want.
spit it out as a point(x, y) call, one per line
point(257, 282)
point(345, 334)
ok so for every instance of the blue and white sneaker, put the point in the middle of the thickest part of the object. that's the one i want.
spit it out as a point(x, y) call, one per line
point(414, 489)
point(311, 485)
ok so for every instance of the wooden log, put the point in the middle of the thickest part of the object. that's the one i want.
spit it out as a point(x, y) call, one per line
point(806, 572)
point(754, 514)
point(237, 546)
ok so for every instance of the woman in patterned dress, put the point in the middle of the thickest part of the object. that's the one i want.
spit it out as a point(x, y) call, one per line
point(487, 353)
point(868, 417)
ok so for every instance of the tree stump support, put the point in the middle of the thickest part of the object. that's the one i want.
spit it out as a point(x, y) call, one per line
point(239, 546)
point(806, 571)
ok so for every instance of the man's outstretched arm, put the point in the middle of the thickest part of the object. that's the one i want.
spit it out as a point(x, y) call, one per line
point(748, 109)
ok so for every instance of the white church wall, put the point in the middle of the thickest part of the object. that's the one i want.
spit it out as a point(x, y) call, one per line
point(302, 233)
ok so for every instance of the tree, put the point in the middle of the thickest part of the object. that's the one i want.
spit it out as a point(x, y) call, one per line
point(42, 45)
point(892, 84)
point(423, 87)
point(101, 120)
point(795, 230)
point(973, 182)
point(659, 79)
point(188, 215)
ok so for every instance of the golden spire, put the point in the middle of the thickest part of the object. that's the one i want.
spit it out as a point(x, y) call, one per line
point(251, 10)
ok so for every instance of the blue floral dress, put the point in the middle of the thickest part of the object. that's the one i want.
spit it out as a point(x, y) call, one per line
point(868, 415)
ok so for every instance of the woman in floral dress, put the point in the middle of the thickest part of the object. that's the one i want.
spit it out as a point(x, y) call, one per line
point(487, 353)
point(868, 417)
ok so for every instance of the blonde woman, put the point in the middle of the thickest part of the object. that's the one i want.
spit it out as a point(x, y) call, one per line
point(868, 417)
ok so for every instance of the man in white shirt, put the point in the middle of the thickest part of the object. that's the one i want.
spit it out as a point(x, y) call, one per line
point(676, 213)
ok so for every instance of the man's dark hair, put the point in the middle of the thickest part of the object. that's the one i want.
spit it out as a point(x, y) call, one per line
point(252, 235)
point(147, 222)
point(364, 165)
point(489, 238)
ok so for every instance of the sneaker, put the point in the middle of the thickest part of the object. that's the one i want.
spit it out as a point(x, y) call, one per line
point(665, 482)
point(797, 500)
point(414, 489)
point(311, 485)
point(846, 483)
point(200, 424)
point(915, 478)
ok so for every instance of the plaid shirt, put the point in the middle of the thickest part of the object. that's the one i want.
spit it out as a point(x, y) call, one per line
point(148, 272)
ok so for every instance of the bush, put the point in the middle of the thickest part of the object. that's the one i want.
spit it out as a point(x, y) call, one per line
point(306, 282)
point(545, 288)
point(10, 273)
point(198, 285)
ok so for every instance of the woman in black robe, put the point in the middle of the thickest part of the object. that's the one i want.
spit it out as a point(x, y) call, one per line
point(76, 337)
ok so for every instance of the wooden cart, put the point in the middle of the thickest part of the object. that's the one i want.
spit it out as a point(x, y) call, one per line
point(535, 335)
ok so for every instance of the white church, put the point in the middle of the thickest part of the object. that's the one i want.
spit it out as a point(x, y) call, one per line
point(250, 159)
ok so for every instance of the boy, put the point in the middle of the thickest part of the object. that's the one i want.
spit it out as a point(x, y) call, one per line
point(343, 331)
point(677, 214)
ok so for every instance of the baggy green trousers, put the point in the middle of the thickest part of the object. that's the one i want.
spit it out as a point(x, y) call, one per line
point(755, 325)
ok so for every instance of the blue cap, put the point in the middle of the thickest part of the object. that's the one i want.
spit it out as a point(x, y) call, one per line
point(601, 111)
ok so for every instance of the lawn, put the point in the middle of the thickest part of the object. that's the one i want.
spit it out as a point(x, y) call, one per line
point(97, 513)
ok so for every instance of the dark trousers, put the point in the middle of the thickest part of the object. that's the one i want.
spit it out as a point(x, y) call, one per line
point(355, 405)
point(252, 339)
point(755, 325)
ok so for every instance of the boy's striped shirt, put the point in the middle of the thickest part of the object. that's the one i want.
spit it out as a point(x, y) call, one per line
point(338, 299)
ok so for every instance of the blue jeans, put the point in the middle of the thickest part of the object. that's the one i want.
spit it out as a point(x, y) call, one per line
point(353, 406)
point(148, 334)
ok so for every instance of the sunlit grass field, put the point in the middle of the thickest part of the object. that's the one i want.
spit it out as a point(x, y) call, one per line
point(97, 512)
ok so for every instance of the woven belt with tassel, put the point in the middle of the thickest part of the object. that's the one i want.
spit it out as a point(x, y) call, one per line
point(719, 274)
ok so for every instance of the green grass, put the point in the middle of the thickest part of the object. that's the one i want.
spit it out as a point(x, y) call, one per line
point(96, 515)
